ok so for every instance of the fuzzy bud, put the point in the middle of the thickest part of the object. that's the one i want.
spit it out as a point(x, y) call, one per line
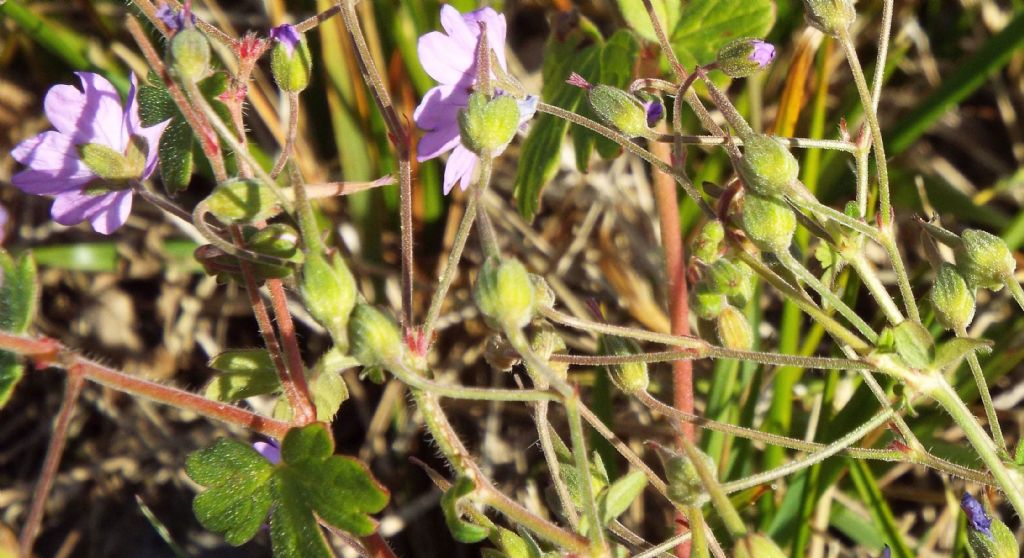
point(952, 299)
point(1000, 543)
point(376, 340)
point(618, 108)
point(242, 201)
point(769, 224)
point(733, 330)
point(504, 293)
point(733, 279)
point(488, 125)
point(830, 16)
point(745, 57)
point(708, 241)
point(756, 545)
point(767, 167)
point(279, 240)
point(705, 302)
point(190, 54)
point(329, 291)
point(630, 377)
point(546, 342)
point(684, 483)
point(985, 260)
point(290, 61)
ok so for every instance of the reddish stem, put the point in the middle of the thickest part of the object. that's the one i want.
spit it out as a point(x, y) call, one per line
point(53, 454)
point(48, 352)
point(377, 547)
point(292, 353)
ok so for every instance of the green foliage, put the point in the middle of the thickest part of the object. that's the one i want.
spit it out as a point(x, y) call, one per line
point(451, 505)
point(243, 201)
point(19, 297)
point(637, 17)
point(705, 26)
point(243, 373)
point(309, 483)
point(617, 498)
point(914, 344)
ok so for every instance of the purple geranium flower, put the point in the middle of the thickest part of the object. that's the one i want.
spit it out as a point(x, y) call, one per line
point(270, 450)
point(173, 19)
point(93, 115)
point(450, 58)
point(976, 516)
point(655, 111)
point(4, 217)
point(287, 35)
point(763, 53)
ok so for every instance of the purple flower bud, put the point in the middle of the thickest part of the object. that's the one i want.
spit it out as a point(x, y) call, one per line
point(886, 553)
point(270, 450)
point(976, 516)
point(577, 80)
point(763, 53)
point(655, 110)
point(287, 35)
point(173, 19)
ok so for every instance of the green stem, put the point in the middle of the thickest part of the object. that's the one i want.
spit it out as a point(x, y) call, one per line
point(726, 511)
point(554, 468)
point(1015, 289)
point(599, 546)
point(870, 278)
point(820, 210)
point(1008, 481)
point(986, 398)
point(807, 277)
point(461, 236)
point(903, 280)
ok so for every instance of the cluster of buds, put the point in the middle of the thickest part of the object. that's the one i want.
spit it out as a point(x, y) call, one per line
point(725, 286)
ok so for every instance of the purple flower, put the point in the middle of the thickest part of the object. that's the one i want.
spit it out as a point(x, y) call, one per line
point(93, 115)
point(763, 53)
point(270, 450)
point(886, 552)
point(4, 217)
point(655, 110)
point(976, 516)
point(287, 35)
point(450, 58)
point(173, 19)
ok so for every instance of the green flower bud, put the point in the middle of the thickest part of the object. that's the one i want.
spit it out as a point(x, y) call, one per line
point(830, 16)
point(733, 330)
point(985, 260)
point(190, 54)
point(546, 342)
point(767, 167)
point(733, 279)
point(543, 295)
point(630, 377)
point(684, 483)
point(769, 224)
point(278, 240)
point(620, 109)
point(756, 545)
point(242, 201)
point(487, 126)
point(745, 57)
point(291, 67)
point(504, 293)
point(705, 302)
point(952, 299)
point(376, 340)
point(329, 292)
point(708, 241)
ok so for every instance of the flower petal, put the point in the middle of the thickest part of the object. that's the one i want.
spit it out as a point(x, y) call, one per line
point(45, 183)
point(102, 116)
point(444, 59)
point(106, 212)
point(112, 215)
point(65, 106)
point(50, 151)
point(440, 106)
point(496, 30)
point(460, 167)
point(436, 142)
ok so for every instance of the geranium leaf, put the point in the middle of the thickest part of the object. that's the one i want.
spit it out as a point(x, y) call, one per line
point(621, 494)
point(238, 495)
point(243, 373)
point(451, 502)
point(19, 296)
point(637, 17)
point(706, 25)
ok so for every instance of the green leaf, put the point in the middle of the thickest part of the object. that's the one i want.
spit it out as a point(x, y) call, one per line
point(540, 152)
point(19, 292)
point(11, 372)
point(914, 344)
point(462, 530)
point(617, 499)
point(512, 545)
point(244, 373)
point(238, 494)
point(637, 17)
point(339, 490)
point(329, 391)
point(706, 25)
point(294, 532)
point(953, 351)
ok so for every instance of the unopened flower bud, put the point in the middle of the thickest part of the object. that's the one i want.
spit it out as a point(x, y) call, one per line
point(756, 545)
point(769, 224)
point(630, 377)
point(745, 57)
point(987, 536)
point(504, 293)
point(375, 339)
point(329, 292)
point(734, 330)
point(952, 299)
point(543, 295)
point(488, 125)
point(733, 279)
point(705, 302)
point(242, 201)
point(618, 108)
point(290, 61)
point(279, 240)
point(684, 483)
point(985, 260)
point(655, 112)
point(708, 241)
point(546, 342)
point(190, 54)
point(830, 16)
point(767, 167)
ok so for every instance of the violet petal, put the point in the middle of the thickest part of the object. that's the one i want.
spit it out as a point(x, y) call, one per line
point(460, 168)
